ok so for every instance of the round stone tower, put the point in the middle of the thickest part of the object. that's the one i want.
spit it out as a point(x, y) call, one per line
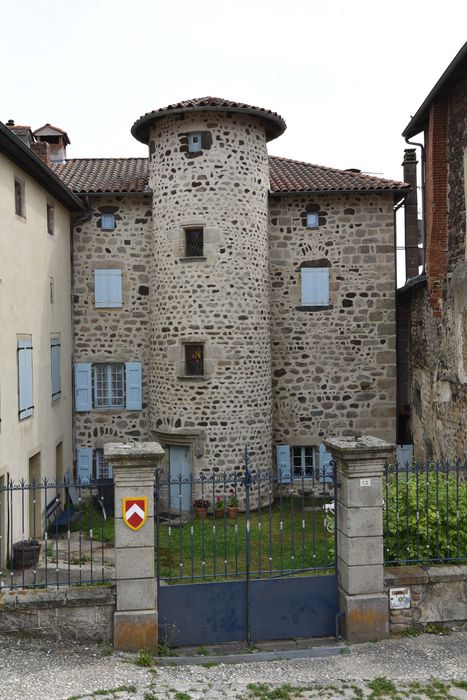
point(210, 379)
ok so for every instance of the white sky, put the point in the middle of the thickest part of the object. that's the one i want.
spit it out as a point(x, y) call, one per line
point(345, 75)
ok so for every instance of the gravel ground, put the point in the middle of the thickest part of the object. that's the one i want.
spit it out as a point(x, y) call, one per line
point(34, 669)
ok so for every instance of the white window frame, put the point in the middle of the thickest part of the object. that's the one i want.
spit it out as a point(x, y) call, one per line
point(304, 461)
point(102, 469)
point(312, 299)
point(107, 221)
point(195, 142)
point(109, 386)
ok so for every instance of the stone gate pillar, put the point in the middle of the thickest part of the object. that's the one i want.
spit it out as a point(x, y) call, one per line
point(359, 520)
point(135, 618)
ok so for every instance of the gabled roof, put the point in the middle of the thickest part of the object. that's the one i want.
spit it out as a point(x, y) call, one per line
point(26, 159)
point(288, 175)
point(458, 66)
point(105, 175)
point(275, 125)
point(50, 130)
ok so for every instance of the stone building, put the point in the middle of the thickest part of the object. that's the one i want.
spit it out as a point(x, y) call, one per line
point(224, 298)
point(35, 326)
point(432, 306)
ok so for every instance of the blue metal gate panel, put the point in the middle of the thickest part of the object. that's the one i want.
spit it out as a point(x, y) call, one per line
point(211, 613)
point(203, 613)
point(293, 607)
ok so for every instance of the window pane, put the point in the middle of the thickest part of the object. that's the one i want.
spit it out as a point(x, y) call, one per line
point(312, 219)
point(19, 197)
point(108, 222)
point(50, 219)
point(101, 386)
point(194, 360)
point(117, 390)
point(194, 242)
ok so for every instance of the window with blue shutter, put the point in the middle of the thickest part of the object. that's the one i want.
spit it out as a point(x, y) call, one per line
point(315, 286)
point(84, 464)
point(326, 465)
point(83, 387)
point(134, 399)
point(55, 367)
point(108, 288)
point(283, 463)
point(25, 404)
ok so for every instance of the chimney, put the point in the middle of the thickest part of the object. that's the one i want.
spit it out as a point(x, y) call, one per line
point(57, 140)
point(42, 150)
point(412, 251)
point(22, 132)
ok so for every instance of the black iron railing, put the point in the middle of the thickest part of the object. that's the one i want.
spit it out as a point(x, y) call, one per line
point(242, 524)
point(55, 534)
point(425, 513)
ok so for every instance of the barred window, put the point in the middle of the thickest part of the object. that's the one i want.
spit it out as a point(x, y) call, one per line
point(109, 386)
point(194, 242)
point(194, 360)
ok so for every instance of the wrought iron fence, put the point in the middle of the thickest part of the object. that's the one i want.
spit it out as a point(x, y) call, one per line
point(55, 534)
point(425, 512)
point(244, 524)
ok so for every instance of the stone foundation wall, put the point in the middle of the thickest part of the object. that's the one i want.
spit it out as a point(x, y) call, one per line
point(81, 614)
point(113, 334)
point(334, 368)
point(438, 595)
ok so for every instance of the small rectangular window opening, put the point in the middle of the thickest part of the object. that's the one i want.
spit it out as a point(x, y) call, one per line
point(108, 222)
point(194, 143)
point(194, 240)
point(194, 360)
point(312, 219)
point(50, 219)
point(20, 209)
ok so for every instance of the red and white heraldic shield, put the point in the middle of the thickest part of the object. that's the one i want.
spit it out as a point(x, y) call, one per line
point(135, 511)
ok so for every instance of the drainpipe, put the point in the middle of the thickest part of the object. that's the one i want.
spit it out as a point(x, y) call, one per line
point(422, 188)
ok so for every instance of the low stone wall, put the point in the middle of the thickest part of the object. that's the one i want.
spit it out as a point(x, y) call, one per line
point(83, 614)
point(438, 594)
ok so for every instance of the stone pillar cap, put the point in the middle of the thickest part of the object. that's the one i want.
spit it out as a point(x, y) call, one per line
point(132, 451)
point(359, 446)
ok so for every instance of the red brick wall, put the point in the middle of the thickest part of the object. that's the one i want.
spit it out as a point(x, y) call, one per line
point(436, 202)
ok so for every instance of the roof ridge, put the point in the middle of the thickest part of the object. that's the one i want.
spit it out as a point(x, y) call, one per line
point(70, 160)
point(328, 168)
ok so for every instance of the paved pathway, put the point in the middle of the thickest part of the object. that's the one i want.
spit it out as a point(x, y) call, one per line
point(41, 670)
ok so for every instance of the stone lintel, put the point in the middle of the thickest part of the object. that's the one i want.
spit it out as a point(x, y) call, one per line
point(135, 630)
point(366, 617)
point(360, 457)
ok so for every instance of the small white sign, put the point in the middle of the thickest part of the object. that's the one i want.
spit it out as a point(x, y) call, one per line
point(399, 598)
point(365, 482)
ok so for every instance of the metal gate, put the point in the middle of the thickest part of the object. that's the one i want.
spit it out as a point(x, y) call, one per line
point(254, 558)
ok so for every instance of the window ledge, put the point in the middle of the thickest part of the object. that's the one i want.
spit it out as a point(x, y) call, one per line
point(192, 258)
point(20, 217)
point(196, 377)
point(306, 307)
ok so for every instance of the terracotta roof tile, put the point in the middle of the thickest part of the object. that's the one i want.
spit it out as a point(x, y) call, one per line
point(295, 176)
point(275, 125)
point(88, 175)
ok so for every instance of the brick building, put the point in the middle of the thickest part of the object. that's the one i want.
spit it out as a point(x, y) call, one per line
point(224, 298)
point(432, 307)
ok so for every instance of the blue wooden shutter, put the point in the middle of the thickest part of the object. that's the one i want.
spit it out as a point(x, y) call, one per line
point(25, 405)
point(84, 464)
point(326, 470)
point(115, 288)
point(315, 286)
point(83, 393)
point(134, 394)
point(283, 463)
point(100, 287)
point(55, 363)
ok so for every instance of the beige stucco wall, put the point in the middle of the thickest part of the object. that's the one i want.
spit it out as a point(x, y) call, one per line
point(29, 257)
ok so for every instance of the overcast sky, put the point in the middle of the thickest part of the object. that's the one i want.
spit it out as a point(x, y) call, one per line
point(346, 76)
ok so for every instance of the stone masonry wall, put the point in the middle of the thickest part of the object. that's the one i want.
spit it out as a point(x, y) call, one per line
point(457, 135)
point(220, 299)
point(113, 334)
point(334, 369)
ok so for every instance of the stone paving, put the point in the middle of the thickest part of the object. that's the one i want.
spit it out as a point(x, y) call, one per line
point(427, 666)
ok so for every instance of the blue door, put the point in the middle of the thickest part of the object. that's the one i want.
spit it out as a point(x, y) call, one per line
point(180, 476)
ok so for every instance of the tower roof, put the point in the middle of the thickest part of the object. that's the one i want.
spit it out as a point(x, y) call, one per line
point(275, 125)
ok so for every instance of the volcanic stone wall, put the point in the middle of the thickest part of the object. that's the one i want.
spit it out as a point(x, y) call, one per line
point(113, 334)
point(220, 299)
point(334, 368)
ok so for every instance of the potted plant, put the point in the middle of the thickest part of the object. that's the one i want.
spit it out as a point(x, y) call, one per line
point(25, 553)
point(232, 507)
point(219, 507)
point(201, 506)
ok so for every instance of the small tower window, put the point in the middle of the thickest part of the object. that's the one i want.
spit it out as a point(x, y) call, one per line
point(194, 143)
point(312, 219)
point(108, 222)
point(194, 360)
point(50, 219)
point(194, 242)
